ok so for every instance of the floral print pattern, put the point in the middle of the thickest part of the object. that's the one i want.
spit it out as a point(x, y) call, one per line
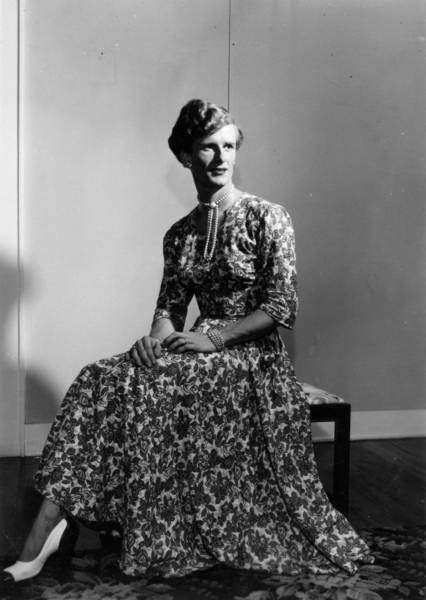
point(206, 458)
point(94, 575)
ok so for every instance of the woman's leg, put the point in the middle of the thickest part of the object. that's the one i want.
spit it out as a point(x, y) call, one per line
point(47, 518)
point(43, 540)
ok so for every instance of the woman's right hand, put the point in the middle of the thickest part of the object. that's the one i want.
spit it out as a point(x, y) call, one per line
point(146, 351)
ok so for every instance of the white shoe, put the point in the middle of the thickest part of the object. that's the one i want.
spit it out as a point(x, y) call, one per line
point(21, 570)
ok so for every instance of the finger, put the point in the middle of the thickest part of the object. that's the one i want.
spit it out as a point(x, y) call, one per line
point(187, 347)
point(157, 349)
point(147, 346)
point(143, 354)
point(170, 338)
point(135, 357)
point(177, 344)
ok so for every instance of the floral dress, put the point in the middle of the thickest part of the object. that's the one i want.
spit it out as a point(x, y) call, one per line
point(206, 458)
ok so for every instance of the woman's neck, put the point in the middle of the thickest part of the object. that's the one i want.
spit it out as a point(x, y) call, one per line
point(225, 196)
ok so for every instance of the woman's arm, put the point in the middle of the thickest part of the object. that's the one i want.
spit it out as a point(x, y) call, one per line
point(171, 307)
point(277, 280)
point(253, 326)
point(175, 294)
point(161, 328)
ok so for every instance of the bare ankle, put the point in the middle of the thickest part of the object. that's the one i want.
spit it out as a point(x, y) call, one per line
point(48, 517)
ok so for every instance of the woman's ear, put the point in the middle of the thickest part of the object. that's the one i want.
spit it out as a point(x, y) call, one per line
point(185, 159)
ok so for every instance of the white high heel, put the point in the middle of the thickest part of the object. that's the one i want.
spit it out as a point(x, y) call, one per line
point(21, 570)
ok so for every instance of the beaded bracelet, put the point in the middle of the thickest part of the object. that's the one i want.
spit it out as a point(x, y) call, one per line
point(216, 338)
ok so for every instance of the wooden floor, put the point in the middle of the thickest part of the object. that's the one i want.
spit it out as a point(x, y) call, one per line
point(388, 481)
point(388, 484)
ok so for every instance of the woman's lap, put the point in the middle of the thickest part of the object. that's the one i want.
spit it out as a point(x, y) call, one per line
point(188, 453)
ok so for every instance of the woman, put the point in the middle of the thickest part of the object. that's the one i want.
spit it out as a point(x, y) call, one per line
point(197, 442)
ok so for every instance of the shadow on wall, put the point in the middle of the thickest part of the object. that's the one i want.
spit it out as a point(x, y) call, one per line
point(40, 399)
point(41, 403)
point(9, 290)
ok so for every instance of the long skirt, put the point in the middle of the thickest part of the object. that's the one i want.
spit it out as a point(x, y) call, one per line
point(204, 459)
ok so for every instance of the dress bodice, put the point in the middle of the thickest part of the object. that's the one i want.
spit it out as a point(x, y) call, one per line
point(253, 265)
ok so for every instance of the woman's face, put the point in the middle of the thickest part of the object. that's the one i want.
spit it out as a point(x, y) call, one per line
point(213, 158)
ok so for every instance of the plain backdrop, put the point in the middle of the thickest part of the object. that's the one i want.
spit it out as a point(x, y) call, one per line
point(331, 98)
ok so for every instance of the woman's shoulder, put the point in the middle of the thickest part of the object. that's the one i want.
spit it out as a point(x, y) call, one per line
point(180, 227)
point(264, 210)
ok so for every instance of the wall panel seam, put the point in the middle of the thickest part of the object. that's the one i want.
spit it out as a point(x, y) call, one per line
point(229, 52)
point(20, 374)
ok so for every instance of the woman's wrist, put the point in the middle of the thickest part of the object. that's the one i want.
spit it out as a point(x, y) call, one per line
point(161, 328)
point(216, 338)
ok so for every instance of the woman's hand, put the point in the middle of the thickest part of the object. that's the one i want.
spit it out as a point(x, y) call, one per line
point(146, 351)
point(188, 341)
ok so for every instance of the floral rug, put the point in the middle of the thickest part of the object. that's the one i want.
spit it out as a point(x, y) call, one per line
point(398, 574)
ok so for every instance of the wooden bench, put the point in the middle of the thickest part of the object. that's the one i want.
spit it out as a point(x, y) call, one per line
point(325, 408)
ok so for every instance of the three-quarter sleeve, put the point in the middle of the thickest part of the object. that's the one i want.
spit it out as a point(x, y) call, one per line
point(278, 281)
point(175, 295)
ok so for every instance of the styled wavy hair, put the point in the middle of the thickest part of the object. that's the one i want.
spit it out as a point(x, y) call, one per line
point(196, 120)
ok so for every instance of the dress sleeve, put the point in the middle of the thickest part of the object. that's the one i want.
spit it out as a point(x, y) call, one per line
point(174, 296)
point(277, 255)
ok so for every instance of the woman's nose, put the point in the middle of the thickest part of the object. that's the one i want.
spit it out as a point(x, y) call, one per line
point(220, 154)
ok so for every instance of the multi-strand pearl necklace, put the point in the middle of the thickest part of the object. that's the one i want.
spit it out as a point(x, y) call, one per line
point(212, 222)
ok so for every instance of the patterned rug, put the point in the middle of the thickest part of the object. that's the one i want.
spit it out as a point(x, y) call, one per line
point(398, 574)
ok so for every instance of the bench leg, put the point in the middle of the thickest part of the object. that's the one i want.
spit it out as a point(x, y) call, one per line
point(342, 428)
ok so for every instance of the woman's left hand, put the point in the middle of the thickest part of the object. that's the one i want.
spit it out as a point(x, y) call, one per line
point(188, 341)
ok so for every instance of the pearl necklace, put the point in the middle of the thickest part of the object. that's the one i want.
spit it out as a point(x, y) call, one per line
point(212, 222)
